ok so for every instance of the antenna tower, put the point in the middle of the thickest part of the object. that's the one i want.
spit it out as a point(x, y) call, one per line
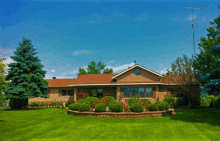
point(194, 48)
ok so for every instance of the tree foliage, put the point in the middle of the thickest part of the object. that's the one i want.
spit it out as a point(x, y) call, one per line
point(26, 74)
point(181, 73)
point(211, 79)
point(95, 68)
point(2, 80)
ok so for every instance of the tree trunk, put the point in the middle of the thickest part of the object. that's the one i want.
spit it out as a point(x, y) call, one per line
point(26, 104)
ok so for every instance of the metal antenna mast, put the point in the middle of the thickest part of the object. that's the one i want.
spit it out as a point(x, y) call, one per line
point(194, 45)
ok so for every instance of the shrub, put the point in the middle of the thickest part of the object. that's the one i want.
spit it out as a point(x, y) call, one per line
point(203, 102)
point(53, 103)
point(210, 99)
point(163, 105)
point(42, 103)
point(110, 98)
point(16, 103)
point(80, 101)
point(90, 100)
point(152, 107)
point(137, 107)
point(117, 107)
point(84, 107)
point(59, 103)
point(157, 102)
point(101, 107)
point(132, 101)
point(170, 99)
point(146, 101)
point(179, 102)
point(68, 103)
point(216, 103)
point(74, 106)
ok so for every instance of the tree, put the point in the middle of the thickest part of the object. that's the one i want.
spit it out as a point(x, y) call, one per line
point(2, 81)
point(94, 68)
point(212, 79)
point(204, 62)
point(181, 74)
point(26, 75)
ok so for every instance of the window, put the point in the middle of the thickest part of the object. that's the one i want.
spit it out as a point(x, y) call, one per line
point(133, 92)
point(67, 92)
point(141, 92)
point(96, 92)
point(63, 92)
point(149, 92)
point(70, 92)
point(127, 93)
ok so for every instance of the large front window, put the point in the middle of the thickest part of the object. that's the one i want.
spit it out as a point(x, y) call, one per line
point(141, 91)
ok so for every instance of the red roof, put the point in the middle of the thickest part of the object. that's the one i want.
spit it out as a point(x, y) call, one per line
point(60, 82)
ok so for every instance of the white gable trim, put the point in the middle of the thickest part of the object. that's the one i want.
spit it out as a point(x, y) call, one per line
point(134, 67)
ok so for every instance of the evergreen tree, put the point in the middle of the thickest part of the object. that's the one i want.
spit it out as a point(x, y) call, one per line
point(2, 80)
point(205, 60)
point(26, 75)
point(212, 79)
point(94, 68)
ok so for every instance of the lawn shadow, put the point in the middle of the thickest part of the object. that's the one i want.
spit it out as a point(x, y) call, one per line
point(206, 115)
point(9, 109)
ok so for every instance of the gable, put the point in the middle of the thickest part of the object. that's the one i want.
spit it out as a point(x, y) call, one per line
point(145, 76)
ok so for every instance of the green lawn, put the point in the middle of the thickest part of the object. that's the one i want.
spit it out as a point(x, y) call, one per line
point(54, 124)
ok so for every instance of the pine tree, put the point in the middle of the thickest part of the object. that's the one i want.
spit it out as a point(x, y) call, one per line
point(212, 85)
point(26, 75)
point(2, 80)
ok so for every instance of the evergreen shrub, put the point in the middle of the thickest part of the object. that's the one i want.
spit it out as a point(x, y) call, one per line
point(163, 105)
point(101, 107)
point(157, 102)
point(137, 107)
point(84, 107)
point(170, 99)
point(152, 107)
point(74, 106)
point(132, 101)
point(146, 101)
point(68, 103)
point(117, 107)
point(90, 100)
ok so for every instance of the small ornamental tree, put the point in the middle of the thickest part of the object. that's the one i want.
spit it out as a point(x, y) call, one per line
point(26, 75)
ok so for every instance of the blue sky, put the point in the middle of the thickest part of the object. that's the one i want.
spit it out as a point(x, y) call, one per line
point(68, 35)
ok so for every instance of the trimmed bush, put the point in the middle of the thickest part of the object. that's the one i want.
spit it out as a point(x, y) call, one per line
point(84, 107)
point(157, 102)
point(80, 101)
point(132, 101)
point(152, 107)
point(163, 105)
point(216, 103)
point(16, 103)
point(110, 98)
point(117, 107)
point(170, 99)
point(146, 101)
point(101, 107)
point(137, 107)
point(90, 100)
point(74, 106)
point(210, 99)
point(68, 103)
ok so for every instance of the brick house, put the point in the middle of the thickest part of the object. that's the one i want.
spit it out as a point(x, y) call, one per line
point(135, 80)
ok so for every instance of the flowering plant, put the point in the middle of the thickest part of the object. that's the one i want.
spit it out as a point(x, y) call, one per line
point(81, 94)
point(94, 94)
point(106, 94)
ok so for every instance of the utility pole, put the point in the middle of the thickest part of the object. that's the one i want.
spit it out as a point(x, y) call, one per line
point(194, 45)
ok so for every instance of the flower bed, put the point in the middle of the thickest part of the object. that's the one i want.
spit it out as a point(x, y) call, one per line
point(122, 114)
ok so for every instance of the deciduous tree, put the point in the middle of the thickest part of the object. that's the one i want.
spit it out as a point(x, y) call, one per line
point(2, 80)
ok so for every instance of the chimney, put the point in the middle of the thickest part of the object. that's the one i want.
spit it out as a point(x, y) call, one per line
point(54, 77)
point(105, 72)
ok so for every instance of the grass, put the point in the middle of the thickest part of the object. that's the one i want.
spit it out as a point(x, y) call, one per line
point(54, 124)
